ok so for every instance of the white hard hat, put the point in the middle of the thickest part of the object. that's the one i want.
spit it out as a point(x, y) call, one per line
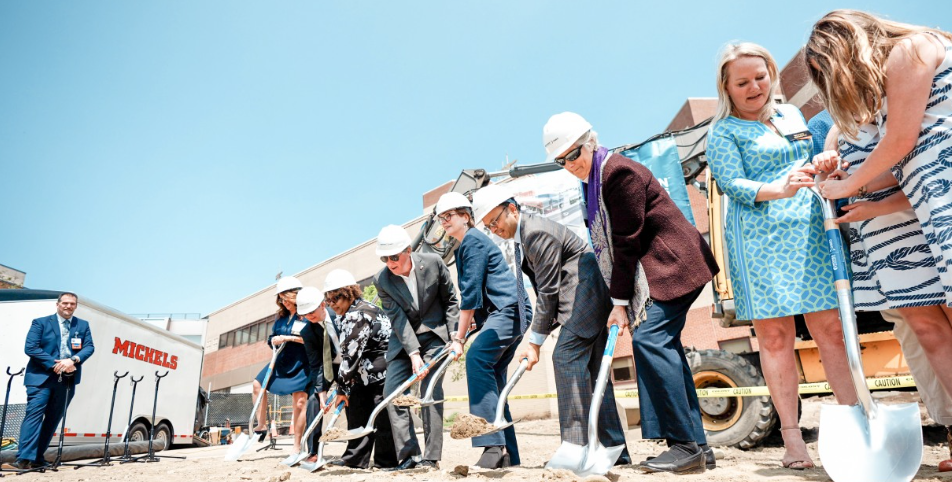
point(487, 198)
point(308, 300)
point(288, 283)
point(337, 279)
point(561, 132)
point(452, 200)
point(392, 240)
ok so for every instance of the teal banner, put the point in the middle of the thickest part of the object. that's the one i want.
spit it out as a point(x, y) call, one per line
point(661, 157)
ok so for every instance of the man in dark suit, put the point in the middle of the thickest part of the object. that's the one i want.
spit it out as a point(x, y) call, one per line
point(57, 346)
point(321, 348)
point(570, 292)
point(418, 295)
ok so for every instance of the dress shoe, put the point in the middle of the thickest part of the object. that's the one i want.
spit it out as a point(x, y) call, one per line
point(21, 464)
point(40, 464)
point(407, 464)
point(679, 459)
point(710, 462)
point(623, 459)
point(429, 464)
point(336, 463)
point(493, 458)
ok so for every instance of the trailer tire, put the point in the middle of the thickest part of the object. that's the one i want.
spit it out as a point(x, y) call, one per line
point(138, 433)
point(163, 432)
point(741, 422)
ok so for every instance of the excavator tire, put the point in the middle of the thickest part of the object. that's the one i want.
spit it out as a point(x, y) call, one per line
point(741, 422)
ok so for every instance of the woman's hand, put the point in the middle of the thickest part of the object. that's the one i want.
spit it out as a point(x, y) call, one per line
point(619, 316)
point(340, 398)
point(827, 161)
point(279, 340)
point(838, 186)
point(797, 179)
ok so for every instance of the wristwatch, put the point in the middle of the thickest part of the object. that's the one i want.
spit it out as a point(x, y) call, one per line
point(75, 359)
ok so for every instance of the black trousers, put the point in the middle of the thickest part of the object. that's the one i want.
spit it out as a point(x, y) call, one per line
point(314, 408)
point(362, 401)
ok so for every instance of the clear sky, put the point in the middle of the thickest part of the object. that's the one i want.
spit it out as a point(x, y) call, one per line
point(173, 156)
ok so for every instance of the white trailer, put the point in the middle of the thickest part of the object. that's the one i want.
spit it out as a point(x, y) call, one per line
point(123, 344)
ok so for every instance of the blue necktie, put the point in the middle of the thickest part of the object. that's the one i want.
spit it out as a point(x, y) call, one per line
point(521, 290)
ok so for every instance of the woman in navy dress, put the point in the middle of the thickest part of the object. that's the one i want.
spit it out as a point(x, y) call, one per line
point(291, 370)
point(487, 297)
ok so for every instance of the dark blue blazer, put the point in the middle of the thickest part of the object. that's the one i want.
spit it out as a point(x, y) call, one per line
point(43, 344)
point(486, 284)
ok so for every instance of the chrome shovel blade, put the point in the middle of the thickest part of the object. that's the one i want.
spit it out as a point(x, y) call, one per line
point(883, 448)
point(583, 461)
point(313, 466)
point(239, 447)
point(354, 434)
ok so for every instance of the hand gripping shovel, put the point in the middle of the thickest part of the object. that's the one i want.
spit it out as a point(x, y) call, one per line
point(244, 441)
point(428, 398)
point(866, 442)
point(295, 459)
point(460, 430)
point(593, 458)
point(369, 428)
point(320, 462)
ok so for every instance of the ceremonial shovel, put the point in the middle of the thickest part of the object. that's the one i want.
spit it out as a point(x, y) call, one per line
point(320, 462)
point(866, 442)
point(244, 441)
point(369, 428)
point(593, 458)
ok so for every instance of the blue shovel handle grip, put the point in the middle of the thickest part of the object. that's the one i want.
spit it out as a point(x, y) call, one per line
point(330, 398)
point(612, 336)
point(837, 254)
point(340, 406)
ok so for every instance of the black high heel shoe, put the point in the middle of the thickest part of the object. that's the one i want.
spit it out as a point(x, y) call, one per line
point(494, 458)
point(261, 434)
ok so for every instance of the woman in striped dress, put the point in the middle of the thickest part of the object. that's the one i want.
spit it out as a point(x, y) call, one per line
point(858, 61)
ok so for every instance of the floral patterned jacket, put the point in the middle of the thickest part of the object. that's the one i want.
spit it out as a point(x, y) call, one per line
point(364, 331)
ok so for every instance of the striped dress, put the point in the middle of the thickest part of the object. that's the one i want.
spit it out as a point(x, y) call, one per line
point(925, 174)
point(891, 262)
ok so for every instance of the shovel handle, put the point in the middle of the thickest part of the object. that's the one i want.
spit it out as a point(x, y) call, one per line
point(504, 394)
point(612, 337)
point(14, 374)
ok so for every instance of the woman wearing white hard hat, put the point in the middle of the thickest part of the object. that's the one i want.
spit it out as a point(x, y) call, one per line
point(291, 374)
point(643, 243)
point(488, 297)
point(363, 330)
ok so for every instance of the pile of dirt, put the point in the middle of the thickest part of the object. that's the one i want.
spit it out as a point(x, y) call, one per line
point(332, 434)
point(406, 401)
point(468, 425)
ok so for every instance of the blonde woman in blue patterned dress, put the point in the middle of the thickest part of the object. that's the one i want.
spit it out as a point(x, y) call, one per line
point(779, 263)
point(900, 80)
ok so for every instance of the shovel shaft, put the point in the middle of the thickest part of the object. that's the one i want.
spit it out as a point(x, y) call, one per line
point(317, 420)
point(504, 394)
point(844, 296)
point(405, 385)
point(437, 375)
point(264, 386)
point(600, 383)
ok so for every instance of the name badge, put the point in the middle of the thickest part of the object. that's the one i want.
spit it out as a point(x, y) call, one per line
point(76, 343)
point(792, 128)
point(296, 327)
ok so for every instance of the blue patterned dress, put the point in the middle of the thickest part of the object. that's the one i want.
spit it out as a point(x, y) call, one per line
point(778, 259)
point(925, 174)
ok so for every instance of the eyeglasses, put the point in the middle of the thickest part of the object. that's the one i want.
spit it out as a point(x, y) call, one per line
point(288, 295)
point(445, 218)
point(570, 157)
point(392, 257)
point(330, 298)
point(492, 225)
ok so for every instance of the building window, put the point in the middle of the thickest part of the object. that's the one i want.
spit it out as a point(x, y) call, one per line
point(223, 341)
point(242, 337)
point(253, 336)
point(623, 369)
point(231, 339)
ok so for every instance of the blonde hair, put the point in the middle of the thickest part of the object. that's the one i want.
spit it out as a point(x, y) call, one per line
point(730, 53)
point(846, 57)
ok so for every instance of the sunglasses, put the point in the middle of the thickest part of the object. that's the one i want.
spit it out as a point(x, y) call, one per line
point(570, 157)
point(392, 257)
point(492, 225)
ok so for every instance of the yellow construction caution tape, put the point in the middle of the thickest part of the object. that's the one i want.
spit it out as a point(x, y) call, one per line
point(886, 383)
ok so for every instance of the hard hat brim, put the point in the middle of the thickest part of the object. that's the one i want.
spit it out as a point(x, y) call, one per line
point(389, 250)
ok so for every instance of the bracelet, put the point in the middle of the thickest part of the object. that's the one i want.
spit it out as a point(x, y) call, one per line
point(862, 191)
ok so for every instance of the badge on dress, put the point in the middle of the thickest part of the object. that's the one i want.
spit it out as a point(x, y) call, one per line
point(791, 127)
point(296, 327)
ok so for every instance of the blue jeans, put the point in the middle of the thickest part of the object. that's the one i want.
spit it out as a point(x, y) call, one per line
point(668, 399)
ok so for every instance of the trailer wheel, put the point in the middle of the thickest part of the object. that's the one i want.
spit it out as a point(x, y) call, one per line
point(735, 421)
point(163, 432)
point(138, 432)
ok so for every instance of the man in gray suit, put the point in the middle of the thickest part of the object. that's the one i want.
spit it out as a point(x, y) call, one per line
point(570, 292)
point(418, 295)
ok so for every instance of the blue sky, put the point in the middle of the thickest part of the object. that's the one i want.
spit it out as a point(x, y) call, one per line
point(174, 156)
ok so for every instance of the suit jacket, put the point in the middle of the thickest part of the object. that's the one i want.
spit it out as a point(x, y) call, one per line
point(438, 307)
point(570, 290)
point(486, 284)
point(648, 226)
point(43, 344)
point(313, 336)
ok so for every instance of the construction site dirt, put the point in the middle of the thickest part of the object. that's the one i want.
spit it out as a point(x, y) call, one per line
point(538, 440)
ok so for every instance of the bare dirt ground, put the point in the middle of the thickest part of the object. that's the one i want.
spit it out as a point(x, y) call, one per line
point(538, 440)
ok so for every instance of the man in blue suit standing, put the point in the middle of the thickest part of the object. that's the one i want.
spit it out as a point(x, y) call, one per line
point(57, 346)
